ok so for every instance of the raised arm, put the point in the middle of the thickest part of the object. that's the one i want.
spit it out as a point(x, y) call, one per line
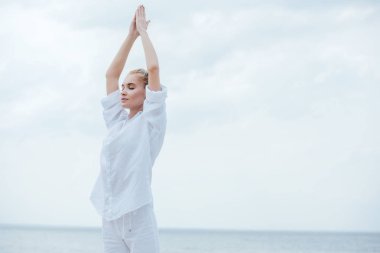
point(114, 70)
point(150, 54)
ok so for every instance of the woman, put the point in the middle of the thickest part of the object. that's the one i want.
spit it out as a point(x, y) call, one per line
point(122, 193)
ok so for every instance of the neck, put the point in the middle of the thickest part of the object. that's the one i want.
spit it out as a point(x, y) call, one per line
point(133, 112)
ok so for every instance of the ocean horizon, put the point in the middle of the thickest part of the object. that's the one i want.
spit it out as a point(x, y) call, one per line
point(17, 238)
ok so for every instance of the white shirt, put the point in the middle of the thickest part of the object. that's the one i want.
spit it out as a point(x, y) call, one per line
point(128, 154)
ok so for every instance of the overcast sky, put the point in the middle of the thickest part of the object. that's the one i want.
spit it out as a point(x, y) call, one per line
point(273, 111)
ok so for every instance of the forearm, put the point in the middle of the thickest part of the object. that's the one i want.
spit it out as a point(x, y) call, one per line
point(150, 54)
point(118, 62)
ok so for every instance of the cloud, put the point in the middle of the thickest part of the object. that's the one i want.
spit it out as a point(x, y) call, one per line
point(272, 107)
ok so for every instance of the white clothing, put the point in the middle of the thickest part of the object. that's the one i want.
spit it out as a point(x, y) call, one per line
point(128, 154)
point(134, 232)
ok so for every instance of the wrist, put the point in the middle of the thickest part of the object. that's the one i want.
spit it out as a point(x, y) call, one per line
point(133, 36)
point(143, 33)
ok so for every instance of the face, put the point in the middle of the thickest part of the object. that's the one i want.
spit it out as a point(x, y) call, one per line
point(132, 92)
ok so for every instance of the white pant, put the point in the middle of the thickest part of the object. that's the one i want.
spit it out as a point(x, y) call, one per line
point(134, 232)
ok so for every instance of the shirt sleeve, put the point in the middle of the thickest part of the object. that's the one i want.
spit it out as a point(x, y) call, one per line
point(113, 111)
point(154, 109)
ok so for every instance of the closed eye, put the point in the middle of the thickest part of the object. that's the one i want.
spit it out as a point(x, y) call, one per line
point(129, 87)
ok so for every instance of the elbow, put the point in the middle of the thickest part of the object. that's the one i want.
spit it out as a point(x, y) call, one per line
point(153, 68)
point(110, 74)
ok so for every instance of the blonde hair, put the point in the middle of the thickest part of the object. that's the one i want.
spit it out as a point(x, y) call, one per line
point(143, 75)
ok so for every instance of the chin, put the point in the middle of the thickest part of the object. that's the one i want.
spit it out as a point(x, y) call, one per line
point(124, 106)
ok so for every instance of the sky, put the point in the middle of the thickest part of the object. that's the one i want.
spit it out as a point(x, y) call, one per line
point(273, 111)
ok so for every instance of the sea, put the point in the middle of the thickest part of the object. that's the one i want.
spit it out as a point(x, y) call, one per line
point(22, 239)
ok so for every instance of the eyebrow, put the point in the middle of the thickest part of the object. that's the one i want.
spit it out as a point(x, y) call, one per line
point(128, 83)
